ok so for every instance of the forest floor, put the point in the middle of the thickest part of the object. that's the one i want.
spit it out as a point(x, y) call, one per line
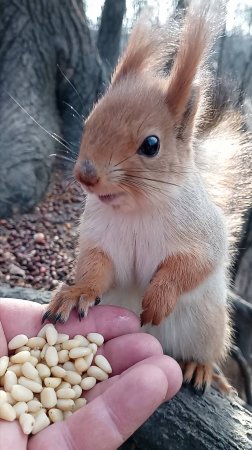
point(37, 249)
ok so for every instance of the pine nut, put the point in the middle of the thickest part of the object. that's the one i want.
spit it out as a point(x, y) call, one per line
point(89, 359)
point(27, 422)
point(58, 371)
point(22, 349)
point(62, 338)
point(68, 365)
point(79, 403)
point(30, 384)
point(33, 360)
point(34, 406)
point(10, 399)
point(21, 393)
point(51, 334)
point(7, 412)
point(63, 385)
point(65, 404)
point(103, 363)
point(20, 408)
point(63, 356)
point(35, 353)
point(80, 365)
point(88, 383)
point(43, 351)
point(98, 373)
point(93, 347)
point(41, 422)
point(43, 370)
point(16, 368)
point(42, 331)
point(83, 341)
point(36, 342)
point(47, 375)
point(17, 341)
point(4, 361)
point(3, 397)
point(21, 357)
point(79, 352)
point(65, 393)
point(51, 356)
point(48, 397)
point(96, 338)
point(10, 379)
point(78, 391)
point(29, 371)
point(52, 382)
point(56, 415)
point(72, 377)
point(72, 343)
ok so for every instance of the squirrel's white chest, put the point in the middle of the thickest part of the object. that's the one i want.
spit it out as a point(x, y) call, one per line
point(136, 245)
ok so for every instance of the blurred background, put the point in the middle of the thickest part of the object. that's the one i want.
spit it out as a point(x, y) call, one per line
point(56, 58)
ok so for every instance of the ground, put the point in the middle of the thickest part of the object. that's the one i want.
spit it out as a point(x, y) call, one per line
point(37, 249)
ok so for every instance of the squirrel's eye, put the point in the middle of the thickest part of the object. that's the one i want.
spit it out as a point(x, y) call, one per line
point(149, 147)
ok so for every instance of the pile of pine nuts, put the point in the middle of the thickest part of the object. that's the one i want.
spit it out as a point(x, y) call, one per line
point(44, 377)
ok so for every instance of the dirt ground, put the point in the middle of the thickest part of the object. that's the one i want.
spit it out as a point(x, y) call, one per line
point(37, 249)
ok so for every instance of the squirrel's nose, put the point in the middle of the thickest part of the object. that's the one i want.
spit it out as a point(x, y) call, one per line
point(86, 173)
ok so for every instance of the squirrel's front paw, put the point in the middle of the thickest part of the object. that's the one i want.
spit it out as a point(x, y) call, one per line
point(157, 304)
point(68, 297)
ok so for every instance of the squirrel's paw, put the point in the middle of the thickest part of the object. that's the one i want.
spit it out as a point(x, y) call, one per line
point(202, 376)
point(67, 298)
point(157, 304)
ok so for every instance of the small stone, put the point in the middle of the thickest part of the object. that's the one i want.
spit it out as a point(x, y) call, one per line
point(15, 270)
point(39, 238)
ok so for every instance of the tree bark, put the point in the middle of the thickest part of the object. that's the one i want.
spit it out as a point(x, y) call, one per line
point(109, 34)
point(190, 422)
point(36, 38)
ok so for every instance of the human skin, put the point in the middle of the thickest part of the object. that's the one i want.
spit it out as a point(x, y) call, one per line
point(143, 378)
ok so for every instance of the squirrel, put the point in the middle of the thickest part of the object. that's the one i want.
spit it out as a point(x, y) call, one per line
point(161, 169)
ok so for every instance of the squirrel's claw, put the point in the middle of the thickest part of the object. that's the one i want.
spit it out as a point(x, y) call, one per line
point(66, 299)
point(202, 376)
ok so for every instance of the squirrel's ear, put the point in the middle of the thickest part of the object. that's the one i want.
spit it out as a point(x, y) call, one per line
point(187, 62)
point(197, 37)
point(139, 54)
point(185, 123)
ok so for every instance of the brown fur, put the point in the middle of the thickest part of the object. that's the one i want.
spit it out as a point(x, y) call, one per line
point(94, 275)
point(176, 275)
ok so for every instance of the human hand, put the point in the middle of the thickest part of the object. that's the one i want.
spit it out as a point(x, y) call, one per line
point(142, 379)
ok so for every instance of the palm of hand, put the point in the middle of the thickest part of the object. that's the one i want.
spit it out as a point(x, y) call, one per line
point(142, 379)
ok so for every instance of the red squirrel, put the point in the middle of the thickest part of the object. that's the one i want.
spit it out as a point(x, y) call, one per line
point(152, 236)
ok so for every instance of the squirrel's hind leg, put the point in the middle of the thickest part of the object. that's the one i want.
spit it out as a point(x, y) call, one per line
point(202, 376)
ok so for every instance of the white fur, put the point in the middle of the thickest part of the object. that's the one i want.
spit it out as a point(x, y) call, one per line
point(138, 242)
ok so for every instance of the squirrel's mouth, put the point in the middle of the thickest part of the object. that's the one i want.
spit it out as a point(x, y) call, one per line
point(109, 198)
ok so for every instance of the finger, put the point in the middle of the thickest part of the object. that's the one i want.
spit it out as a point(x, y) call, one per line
point(168, 365)
point(134, 347)
point(110, 321)
point(111, 418)
point(11, 436)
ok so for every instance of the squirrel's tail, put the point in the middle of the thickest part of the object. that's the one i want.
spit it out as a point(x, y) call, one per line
point(224, 154)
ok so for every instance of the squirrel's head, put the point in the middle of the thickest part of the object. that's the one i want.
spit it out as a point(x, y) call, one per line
point(137, 144)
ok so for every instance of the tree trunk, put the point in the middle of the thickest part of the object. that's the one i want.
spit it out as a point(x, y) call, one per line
point(109, 34)
point(190, 422)
point(35, 38)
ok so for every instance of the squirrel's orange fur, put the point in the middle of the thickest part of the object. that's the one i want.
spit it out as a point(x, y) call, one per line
point(151, 236)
